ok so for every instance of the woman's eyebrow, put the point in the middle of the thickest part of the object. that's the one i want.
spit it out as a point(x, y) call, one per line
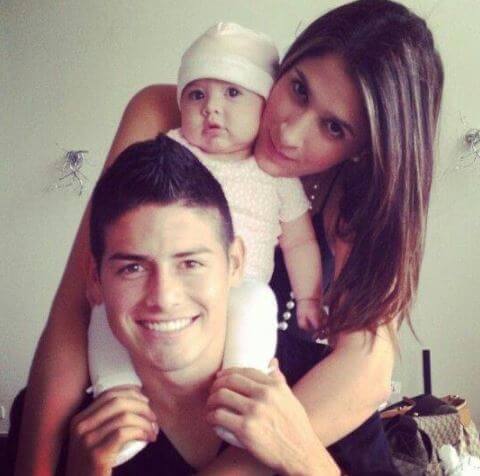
point(329, 114)
point(303, 78)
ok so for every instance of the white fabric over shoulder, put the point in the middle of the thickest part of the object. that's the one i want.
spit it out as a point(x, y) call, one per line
point(251, 333)
point(252, 326)
point(110, 366)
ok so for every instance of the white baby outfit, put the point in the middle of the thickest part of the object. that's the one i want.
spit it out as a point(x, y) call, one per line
point(258, 203)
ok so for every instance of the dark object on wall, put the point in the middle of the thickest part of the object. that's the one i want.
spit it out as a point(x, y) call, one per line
point(427, 376)
point(72, 175)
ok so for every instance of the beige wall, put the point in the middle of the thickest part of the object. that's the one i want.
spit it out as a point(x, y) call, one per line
point(67, 70)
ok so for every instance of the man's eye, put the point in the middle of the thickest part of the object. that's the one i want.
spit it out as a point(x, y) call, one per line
point(191, 264)
point(196, 95)
point(334, 129)
point(233, 92)
point(299, 90)
point(131, 269)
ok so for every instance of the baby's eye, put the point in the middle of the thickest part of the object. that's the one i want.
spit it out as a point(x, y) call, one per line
point(232, 91)
point(196, 95)
point(334, 129)
point(299, 90)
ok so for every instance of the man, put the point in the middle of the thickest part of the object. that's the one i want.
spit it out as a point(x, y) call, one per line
point(165, 258)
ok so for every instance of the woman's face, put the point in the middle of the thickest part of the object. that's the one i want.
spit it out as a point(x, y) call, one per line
point(314, 119)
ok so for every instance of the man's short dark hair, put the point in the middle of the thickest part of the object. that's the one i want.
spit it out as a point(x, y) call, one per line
point(159, 171)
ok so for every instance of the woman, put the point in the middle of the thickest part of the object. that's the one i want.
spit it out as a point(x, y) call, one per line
point(354, 111)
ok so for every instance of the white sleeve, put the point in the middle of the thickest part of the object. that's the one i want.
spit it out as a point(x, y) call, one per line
point(293, 201)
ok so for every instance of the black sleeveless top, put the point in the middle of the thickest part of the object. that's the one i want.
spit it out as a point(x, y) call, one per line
point(366, 449)
point(280, 282)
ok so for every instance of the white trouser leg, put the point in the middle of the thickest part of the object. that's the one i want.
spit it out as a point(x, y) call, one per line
point(251, 332)
point(110, 366)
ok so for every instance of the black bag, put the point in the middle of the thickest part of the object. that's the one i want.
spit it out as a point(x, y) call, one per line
point(417, 428)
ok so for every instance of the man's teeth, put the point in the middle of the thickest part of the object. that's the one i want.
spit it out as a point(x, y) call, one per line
point(167, 326)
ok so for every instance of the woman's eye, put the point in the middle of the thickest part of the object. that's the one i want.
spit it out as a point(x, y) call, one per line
point(196, 95)
point(233, 92)
point(299, 90)
point(334, 129)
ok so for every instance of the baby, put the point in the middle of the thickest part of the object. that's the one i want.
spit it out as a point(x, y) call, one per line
point(223, 81)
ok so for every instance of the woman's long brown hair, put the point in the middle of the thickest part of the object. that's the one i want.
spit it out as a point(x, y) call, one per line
point(383, 211)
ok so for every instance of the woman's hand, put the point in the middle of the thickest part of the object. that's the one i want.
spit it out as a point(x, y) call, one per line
point(98, 433)
point(265, 416)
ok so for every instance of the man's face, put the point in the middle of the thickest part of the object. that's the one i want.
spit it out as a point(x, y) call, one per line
point(165, 278)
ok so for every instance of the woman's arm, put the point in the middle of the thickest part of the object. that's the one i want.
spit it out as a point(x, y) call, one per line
point(339, 393)
point(343, 390)
point(58, 376)
point(267, 418)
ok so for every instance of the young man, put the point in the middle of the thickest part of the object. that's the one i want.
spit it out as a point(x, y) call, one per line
point(165, 258)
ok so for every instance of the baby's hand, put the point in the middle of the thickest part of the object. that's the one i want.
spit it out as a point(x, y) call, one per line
point(310, 314)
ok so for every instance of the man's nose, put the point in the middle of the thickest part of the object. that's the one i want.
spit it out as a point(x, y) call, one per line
point(164, 290)
point(293, 132)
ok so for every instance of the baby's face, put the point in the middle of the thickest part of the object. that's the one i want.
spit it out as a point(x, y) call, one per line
point(220, 117)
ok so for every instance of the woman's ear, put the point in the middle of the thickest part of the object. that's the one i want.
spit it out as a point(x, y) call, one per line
point(236, 258)
point(94, 288)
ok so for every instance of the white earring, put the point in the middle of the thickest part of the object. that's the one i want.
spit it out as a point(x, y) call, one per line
point(355, 159)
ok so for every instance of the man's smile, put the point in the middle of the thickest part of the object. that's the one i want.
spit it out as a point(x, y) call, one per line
point(167, 326)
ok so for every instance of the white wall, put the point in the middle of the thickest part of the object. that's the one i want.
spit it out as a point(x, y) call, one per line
point(447, 314)
point(67, 70)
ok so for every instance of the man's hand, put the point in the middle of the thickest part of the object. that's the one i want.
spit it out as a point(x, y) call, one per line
point(98, 433)
point(266, 417)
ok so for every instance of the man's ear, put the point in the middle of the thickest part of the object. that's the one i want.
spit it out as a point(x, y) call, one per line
point(94, 288)
point(236, 255)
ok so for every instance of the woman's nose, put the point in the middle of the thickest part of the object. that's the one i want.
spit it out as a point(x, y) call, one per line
point(164, 291)
point(293, 132)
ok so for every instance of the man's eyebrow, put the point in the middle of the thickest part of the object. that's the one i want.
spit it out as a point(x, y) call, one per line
point(119, 256)
point(127, 257)
point(193, 251)
point(335, 117)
